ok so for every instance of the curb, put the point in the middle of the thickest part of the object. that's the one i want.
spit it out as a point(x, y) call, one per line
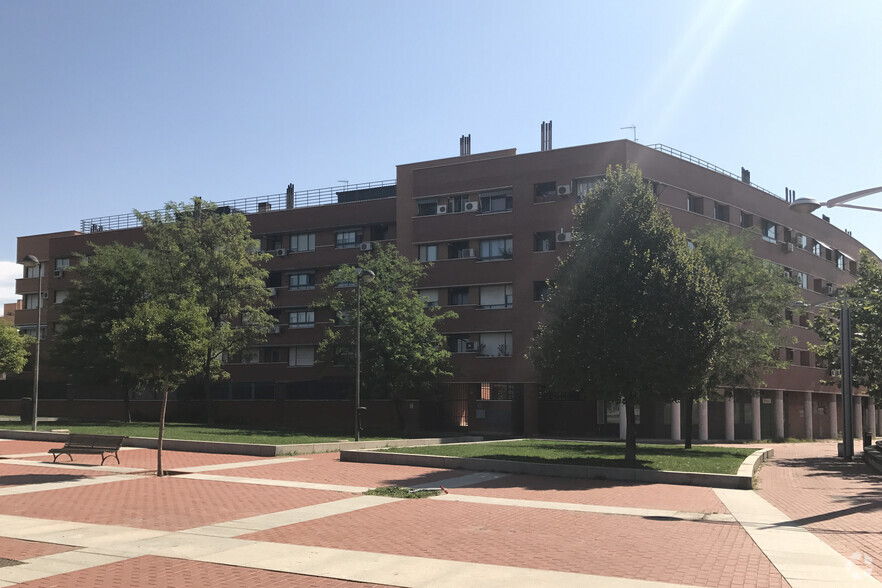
point(743, 480)
point(253, 449)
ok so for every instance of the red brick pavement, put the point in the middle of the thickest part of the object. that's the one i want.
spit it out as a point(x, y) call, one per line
point(19, 549)
point(697, 553)
point(15, 447)
point(160, 571)
point(839, 502)
point(18, 475)
point(168, 503)
point(600, 492)
point(326, 468)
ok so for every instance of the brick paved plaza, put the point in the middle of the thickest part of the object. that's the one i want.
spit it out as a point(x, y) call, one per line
point(226, 520)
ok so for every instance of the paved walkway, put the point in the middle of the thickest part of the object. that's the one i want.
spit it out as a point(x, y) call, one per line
point(227, 520)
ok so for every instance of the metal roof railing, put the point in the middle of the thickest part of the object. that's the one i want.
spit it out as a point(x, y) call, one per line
point(705, 164)
point(250, 205)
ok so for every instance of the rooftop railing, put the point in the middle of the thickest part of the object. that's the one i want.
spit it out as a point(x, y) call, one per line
point(705, 164)
point(250, 205)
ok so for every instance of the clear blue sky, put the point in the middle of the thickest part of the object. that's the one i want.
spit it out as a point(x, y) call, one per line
point(106, 106)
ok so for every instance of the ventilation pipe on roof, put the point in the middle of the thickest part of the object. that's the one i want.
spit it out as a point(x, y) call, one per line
point(465, 145)
point(546, 136)
point(289, 196)
point(745, 175)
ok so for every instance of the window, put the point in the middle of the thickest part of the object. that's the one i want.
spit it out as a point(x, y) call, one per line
point(802, 280)
point(35, 272)
point(301, 356)
point(31, 301)
point(721, 212)
point(301, 281)
point(302, 242)
point(458, 250)
point(544, 192)
point(457, 296)
point(582, 187)
point(540, 291)
point(840, 260)
point(496, 248)
point(428, 253)
point(788, 315)
point(695, 204)
point(379, 232)
point(348, 239)
point(250, 355)
point(817, 248)
point(497, 391)
point(495, 201)
point(430, 297)
point(495, 344)
point(61, 296)
point(458, 343)
point(801, 241)
point(458, 202)
point(769, 231)
point(62, 262)
point(302, 318)
point(274, 242)
point(746, 220)
point(427, 207)
point(544, 241)
point(275, 355)
point(498, 296)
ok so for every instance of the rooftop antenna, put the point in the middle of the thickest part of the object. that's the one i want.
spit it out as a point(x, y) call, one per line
point(633, 128)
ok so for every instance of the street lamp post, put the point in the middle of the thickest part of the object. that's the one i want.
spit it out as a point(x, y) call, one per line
point(32, 261)
point(808, 206)
point(362, 276)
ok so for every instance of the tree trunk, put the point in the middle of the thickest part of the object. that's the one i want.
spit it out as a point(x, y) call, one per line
point(161, 428)
point(127, 399)
point(690, 401)
point(630, 433)
point(206, 391)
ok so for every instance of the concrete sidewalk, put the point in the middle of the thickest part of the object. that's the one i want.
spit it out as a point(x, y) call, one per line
point(229, 521)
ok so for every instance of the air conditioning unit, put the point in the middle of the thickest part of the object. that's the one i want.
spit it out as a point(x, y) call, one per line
point(471, 207)
point(788, 273)
point(564, 190)
point(564, 237)
point(276, 329)
point(272, 291)
point(59, 272)
point(467, 253)
point(471, 346)
point(830, 290)
point(281, 252)
point(366, 246)
point(788, 247)
point(442, 209)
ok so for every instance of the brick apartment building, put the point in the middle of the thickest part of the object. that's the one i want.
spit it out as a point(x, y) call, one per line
point(493, 225)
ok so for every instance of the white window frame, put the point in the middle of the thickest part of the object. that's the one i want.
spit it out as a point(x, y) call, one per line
point(769, 230)
point(428, 252)
point(492, 249)
point(489, 202)
point(343, 241)
point(309, 277)
point(301, 318)
point(495, 296)
point(495, 344)
point(62, 262)
point(31, 301)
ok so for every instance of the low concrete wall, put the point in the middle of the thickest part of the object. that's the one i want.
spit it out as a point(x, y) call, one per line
point(740, 481)
point(247, 448)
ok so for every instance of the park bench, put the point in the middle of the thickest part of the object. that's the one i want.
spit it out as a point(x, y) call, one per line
point(103, 445)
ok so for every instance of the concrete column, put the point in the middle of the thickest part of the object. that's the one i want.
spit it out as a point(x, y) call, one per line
point(702, 420)
point(834, 419)
point(623, 421)
point(730, 418)
point(675, 421)
point(858, 420)
point(807, 417)
point(779, 414)
point(757, 419)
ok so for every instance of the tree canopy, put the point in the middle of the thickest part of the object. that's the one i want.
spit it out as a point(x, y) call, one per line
point(864, 298)
point(13, 349)
point(631, 316)
point(402, 350)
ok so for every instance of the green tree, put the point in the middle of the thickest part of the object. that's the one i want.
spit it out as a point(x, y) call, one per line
point(108, 285)
point(402, 350)
point(209, 255)
point(162, 342)
point(632, 316)
point(756, 294)
point(864, 298)
point(13, 349)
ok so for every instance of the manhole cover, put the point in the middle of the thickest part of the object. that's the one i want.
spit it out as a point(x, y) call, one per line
point(8, 562)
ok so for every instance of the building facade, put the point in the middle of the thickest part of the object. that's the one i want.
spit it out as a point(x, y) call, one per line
point(493, 226)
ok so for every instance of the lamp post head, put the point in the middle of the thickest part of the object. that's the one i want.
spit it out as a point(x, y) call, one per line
point(30, 261)
point(805, 205)
point(366, 276)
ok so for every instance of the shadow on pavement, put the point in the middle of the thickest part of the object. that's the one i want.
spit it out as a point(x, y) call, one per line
point(27, 479)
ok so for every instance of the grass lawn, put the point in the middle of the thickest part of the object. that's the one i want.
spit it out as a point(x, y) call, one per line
point(186, 431)
point(713, 460)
